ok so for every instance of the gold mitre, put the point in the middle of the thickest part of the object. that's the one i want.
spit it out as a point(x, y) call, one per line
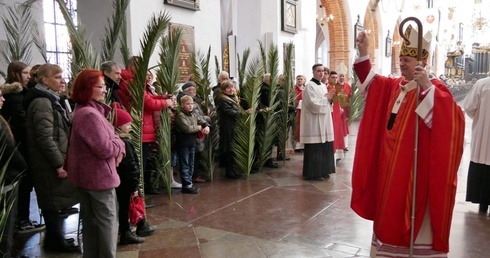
point(411, 49)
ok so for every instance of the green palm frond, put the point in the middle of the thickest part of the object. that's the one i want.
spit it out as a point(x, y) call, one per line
point(202, 78)
point(168, 73)
point(211, 144)
point(242, 66)
point(114, 28)
point(151, 37)
point(245, 132)
point(7, 203)
point(39, 41)
point(123, 40)
point(286, 100)
point(217, 66)
point(268, 135)
point(263, 56)
point(18, 22)
point(164, 144)
point(356, 101)
point(83, 53)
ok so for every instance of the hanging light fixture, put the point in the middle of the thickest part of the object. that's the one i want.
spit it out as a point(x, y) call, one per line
point(324, 18)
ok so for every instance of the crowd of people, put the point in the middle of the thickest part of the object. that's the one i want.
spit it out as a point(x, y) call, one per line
point(70, 152)
point(67, 136)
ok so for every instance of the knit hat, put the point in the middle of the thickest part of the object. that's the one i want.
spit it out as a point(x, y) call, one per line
point(120, 116)
point(187, 85)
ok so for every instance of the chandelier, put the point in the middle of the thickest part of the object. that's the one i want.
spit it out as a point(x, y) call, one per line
point(480, 23)
point(324, 18)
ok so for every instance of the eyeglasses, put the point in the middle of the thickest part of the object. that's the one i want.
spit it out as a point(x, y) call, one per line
point(103, 87)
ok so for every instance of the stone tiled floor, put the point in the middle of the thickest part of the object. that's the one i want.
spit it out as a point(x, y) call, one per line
point(275, 214)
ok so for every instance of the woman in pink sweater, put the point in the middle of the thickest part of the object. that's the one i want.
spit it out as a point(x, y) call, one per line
point(94, 152)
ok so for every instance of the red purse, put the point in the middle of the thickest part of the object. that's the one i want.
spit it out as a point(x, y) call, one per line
point(200, 134)
point(136, 209)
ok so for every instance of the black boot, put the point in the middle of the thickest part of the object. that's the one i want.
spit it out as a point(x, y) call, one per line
point(54, 240)
point(129, 238)
point(144, 229)
point(483, 208)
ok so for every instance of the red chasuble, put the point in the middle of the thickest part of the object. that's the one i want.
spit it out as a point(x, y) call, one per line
point(382, 175)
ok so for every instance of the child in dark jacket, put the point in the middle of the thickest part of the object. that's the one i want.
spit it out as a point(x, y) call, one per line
point(187, 125)
point(129, 173)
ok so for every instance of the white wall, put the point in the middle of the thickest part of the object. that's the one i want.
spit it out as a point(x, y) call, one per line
point(206, 23)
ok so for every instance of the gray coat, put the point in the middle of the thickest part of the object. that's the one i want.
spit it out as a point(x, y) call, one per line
point(47, 136)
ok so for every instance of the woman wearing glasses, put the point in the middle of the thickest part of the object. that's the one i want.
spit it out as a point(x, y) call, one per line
point(94, 153)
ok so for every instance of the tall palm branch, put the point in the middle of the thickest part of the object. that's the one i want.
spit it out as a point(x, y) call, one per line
point(168, 73)
point(245, 131)
point(167, 77)
point(83, 53)
point(109, 42)
point(263, 56)
point(202, 78)
point(151, 37)
point(18, 21)
point(7, 202)
point(39, 41)
point(242, 66)
point(356, 101)
point(268, 134)
point(286, 100)
point(123, 40)
point(217, 66)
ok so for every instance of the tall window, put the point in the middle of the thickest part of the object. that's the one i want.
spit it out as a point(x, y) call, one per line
point(58, 44)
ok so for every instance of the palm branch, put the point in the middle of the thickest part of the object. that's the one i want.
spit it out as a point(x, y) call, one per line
point(123, 40)
point(245, 131)
point(202, 78)
point(285, 102)
point(39, 41)
point(164, 156)
point(151, 37)
point(263, 56)
point(217, 66)
point(167, 78)
point(267, 136)
point(242, 66)
point(83, 53)
point(168, 73)
point(356, 101)
point(18, 22)
point(7, 203)
point(111, 35)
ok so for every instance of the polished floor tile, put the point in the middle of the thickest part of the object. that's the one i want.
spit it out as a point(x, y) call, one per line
point(275, 214)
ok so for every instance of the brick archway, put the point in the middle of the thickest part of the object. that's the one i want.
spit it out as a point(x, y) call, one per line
point(371, 26)
point(339, 33)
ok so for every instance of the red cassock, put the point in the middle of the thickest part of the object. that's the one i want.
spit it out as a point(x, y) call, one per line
point(346, 114)
point(382, 175)
point(299, 97)
point(338, 119)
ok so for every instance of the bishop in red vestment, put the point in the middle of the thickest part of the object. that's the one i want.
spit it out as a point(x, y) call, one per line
point(383, 172)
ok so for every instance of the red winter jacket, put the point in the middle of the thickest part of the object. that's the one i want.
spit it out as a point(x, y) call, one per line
point(152, 103)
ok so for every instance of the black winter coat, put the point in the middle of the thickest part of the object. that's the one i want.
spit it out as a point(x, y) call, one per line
point(15, 114)
point(228, 111)
point(16, 165)
point(129, 169)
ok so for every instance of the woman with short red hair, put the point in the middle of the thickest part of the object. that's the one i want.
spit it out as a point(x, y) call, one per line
point(94, 153)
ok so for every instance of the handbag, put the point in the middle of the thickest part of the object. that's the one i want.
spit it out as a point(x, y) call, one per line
point(136, 209)
point(200, 134)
